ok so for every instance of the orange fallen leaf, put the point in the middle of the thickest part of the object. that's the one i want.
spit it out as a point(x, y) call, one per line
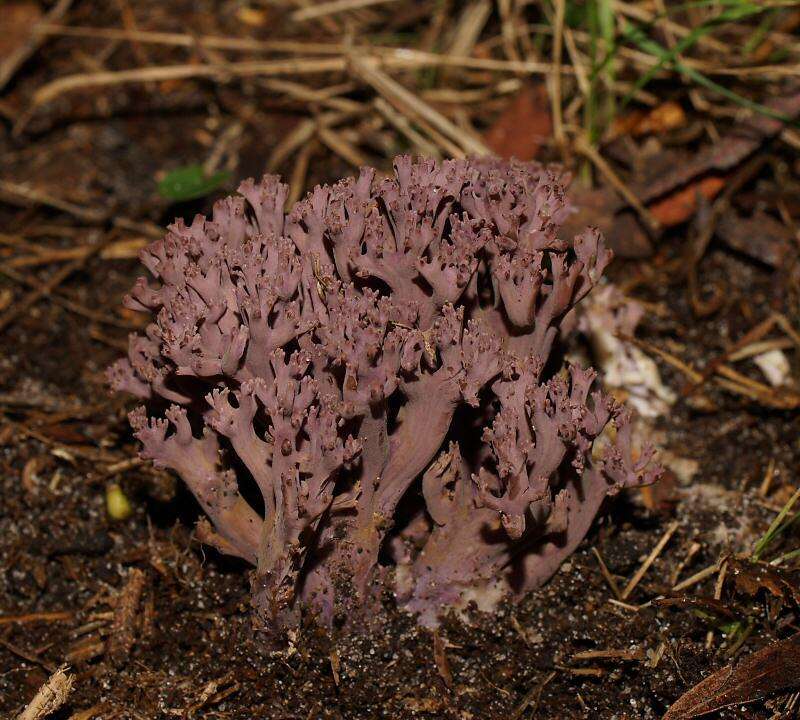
point(254, 17)
point(524, 126)
point(667, 116)
point(681, 205)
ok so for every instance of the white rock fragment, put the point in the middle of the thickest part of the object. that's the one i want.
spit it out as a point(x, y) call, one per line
point(605, 315)
point(775, 367)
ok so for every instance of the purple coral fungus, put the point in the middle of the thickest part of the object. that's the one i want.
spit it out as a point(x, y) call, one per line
point(385, 341)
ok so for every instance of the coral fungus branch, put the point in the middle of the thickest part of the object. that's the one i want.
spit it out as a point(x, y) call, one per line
point(341, 358)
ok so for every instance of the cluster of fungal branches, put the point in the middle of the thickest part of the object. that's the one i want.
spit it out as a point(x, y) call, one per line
point(367, 389)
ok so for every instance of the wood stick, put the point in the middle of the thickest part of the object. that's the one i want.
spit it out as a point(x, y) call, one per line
point(55, 616)
point(26, 197)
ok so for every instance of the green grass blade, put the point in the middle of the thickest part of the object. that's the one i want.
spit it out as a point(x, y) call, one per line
point(670, 56)
point(189, 183)
point(776, 526)
point(701, 79)
point(637, 36)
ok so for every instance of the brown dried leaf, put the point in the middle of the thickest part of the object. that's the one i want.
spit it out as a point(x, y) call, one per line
point(772, 670)
point(750, 577)
point(18, 19)
point(523, 127)
point(599, 208)
point(761, 237)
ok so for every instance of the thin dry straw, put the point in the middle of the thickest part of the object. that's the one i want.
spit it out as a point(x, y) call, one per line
point(409, 104)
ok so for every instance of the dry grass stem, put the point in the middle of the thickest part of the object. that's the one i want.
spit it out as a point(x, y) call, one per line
point(507, 21)
point(532, 698)
point(609, 578)
point(649, 560)
point(579, 63)
point(400, 123)
point(396, 57)
point(224, 147)
point(215, 42)
point(323, 97)
point(65, 302)
point(318, 10)
point(698, 577)
point(453, 95)
point(758, 348)
point(555, 78)
point(787, 327)
point(639, 12)
point(610, 654)
point(343, 148)
point(299, 66)
point(694, 548)
point(18, 309)
point(667, 357)
point(400, 58)
point(410, 105)
point(469, 28)
point(628, 606)
point(766, 483)
point(297, 138)
point(297, 182)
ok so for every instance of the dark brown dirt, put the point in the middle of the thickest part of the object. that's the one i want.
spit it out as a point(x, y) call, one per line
point(194, 652)
point(59, 552)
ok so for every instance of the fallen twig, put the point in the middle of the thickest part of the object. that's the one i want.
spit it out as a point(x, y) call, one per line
point(55, 616)
point(27, 197)
point(50, 697)
point(121, 638)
